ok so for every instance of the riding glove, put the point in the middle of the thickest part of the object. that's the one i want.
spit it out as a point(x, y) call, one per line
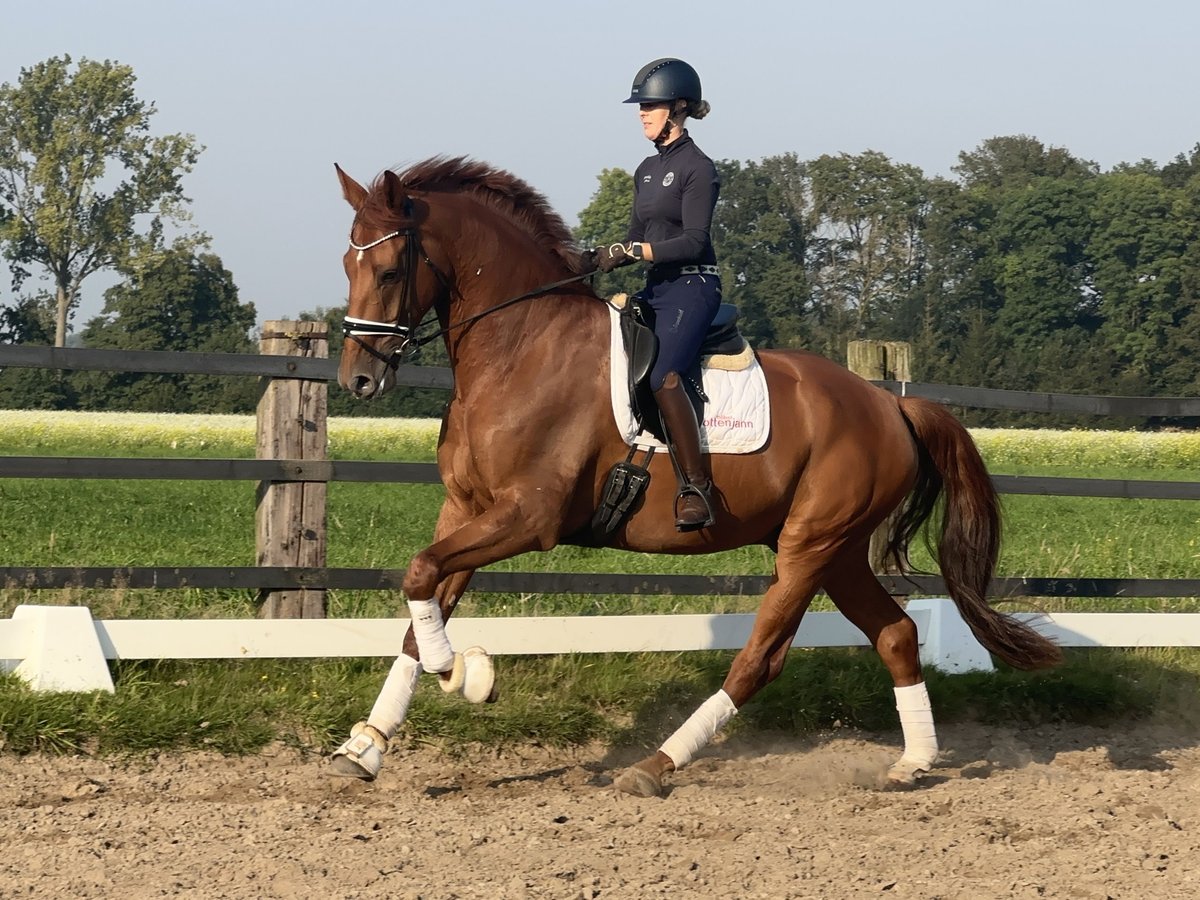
point(613, 257)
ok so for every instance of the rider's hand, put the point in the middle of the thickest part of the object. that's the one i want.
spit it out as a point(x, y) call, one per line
point(613, 257)
point(587, 262)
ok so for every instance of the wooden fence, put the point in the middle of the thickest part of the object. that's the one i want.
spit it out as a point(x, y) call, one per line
point(291, 575)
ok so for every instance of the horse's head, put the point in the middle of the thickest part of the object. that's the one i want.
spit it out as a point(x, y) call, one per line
point(413, 237)
point(393, 283)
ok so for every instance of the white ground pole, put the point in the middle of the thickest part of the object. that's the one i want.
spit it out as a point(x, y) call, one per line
point(62, 648)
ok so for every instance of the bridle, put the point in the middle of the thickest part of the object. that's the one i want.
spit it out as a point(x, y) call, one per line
point(410, 344)
point(410, 341)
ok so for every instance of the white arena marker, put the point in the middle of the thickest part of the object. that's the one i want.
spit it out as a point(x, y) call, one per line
point(62, 650)
point(947, 642)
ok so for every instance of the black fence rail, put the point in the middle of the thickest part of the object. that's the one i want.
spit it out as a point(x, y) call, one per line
point(19, 356)
point(290, 470)
point(283, 578)
point(284, 470)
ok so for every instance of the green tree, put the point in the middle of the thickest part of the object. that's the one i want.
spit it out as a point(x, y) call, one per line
point(30, 320)
point(177, 301)
point(1021, 276)
point(1136, 252)
point(760, 232)
point(1014, 161)
point(1181, 372)
point(865, 257)
point(84, 186)
point(1182, 169)
point(1042, 232)
point(950, 312)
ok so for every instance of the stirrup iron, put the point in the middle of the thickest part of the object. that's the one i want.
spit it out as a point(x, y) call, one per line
point(688, 489)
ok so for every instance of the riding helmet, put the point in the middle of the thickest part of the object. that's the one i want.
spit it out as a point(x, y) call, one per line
point(665, 79)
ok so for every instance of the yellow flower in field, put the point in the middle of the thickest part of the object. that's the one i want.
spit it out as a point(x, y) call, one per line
point(417, 438)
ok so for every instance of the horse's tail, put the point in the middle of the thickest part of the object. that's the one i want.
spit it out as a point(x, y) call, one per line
point(969, 539)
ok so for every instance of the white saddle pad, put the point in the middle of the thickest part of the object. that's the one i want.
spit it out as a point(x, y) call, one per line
point(737, 418)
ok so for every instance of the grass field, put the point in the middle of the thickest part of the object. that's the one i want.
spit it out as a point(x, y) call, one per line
point(239, 706)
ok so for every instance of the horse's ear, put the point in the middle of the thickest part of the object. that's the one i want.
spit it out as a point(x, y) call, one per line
point(393, 192)
point(354, 192)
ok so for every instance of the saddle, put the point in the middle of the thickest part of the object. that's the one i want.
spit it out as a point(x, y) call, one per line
point(641, 346)
point(628, 480)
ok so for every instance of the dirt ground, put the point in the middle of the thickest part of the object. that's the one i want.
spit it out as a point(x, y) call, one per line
point(1055, 812)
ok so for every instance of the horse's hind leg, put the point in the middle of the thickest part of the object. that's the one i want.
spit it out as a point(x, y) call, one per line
point(857, 593)
point(797, 575)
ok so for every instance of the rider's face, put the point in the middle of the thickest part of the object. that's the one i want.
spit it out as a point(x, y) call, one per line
point(654, 117)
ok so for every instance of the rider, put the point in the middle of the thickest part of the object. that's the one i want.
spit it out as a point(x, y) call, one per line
point(674, 193)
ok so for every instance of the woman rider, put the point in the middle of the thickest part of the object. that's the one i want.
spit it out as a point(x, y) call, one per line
point(674, 193)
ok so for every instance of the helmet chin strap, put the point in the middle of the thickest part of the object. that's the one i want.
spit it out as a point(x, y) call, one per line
point(668, 126)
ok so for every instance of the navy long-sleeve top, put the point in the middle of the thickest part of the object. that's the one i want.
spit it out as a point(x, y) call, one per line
point(674, 193)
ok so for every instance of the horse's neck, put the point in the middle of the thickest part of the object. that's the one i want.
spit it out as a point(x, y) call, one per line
point(557, 330)
point(553, 336)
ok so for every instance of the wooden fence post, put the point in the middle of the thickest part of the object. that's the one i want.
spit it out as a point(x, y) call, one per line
point(290, 517)
point(881, 361)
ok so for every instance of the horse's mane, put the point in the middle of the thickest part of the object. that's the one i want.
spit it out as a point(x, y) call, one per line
point(500, 190)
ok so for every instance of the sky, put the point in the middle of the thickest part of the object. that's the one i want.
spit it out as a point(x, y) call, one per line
point(278, 92)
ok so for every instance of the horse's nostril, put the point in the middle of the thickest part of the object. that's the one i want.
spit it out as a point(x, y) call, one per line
point(362, 386)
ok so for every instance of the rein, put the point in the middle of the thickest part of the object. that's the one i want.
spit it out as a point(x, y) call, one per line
point(411, 343)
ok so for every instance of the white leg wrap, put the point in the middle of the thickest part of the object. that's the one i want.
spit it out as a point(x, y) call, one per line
point(434, 646)
point(391, 707)
point(916, 721)
point(699, 729)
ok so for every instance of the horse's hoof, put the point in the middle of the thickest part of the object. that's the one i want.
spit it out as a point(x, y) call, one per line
point(905, 774)
point(360, 757)
point(638, 782)
point(473, 676)
point(345, 767)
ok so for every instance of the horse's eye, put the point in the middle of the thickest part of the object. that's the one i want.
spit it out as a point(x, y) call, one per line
point(389, 276)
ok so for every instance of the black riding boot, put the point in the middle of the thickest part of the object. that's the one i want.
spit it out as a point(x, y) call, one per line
point(693, 510)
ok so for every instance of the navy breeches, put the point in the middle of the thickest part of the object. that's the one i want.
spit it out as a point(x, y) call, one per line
point(684, 307)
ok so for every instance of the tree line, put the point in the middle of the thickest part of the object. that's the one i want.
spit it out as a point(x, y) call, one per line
point(1030, 269)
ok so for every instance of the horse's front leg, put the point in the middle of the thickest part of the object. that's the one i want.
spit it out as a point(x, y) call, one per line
point(469, 673)
point(434, 584)
point(507, 528)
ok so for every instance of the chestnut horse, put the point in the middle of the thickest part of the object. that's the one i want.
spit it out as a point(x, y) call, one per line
point(529, 437)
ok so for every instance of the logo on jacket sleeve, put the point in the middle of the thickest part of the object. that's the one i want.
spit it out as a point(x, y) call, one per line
point(668, 178)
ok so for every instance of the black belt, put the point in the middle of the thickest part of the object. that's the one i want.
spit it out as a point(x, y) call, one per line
point(665, 272)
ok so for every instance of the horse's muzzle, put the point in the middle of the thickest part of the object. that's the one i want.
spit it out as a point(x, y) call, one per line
point(366, 380)
point(364, 387)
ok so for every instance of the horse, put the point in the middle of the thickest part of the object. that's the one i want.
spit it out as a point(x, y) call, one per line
point(529, 435)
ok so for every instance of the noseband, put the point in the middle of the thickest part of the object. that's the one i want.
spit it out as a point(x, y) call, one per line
point(410, 343)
